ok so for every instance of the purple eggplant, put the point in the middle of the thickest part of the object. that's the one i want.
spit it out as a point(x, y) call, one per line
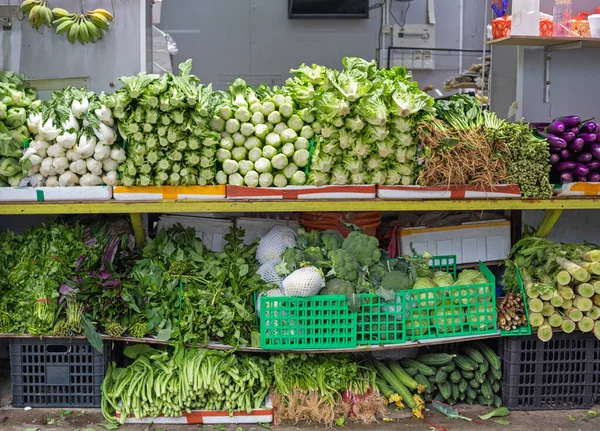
point(581, 170)
point(588, 138)
point(574, 130)
point(594, 177)
point(570, 121)
point(566, 177)
point(584, 158)
point(554, 141)
point(577, 145)
point(568, 136)
point(595, 150)
point(593, 165)
point(556, 128)
point(554, 159)
point(588, 127)
point(580, 178)
point(565, 166)
point(565, 154)
point(554, 150)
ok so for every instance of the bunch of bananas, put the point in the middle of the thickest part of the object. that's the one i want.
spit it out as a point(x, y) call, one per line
point(84, 27)
point(38, 13)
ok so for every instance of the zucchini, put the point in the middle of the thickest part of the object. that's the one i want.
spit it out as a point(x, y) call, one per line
point(467, 374)
point(394, 383)
point(474, 354)
point(435, 359)
point(422, 380)
point(441, 376)
point(445, 389)
point(385, 390)
point(449, 367)
point(463, 385)
point(421, 368)
point(489, 354)
point(455, 376)
point(464, 363)
point(455, 391)
point(402, 376)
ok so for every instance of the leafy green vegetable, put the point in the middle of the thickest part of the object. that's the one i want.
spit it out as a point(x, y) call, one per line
point(499, 412)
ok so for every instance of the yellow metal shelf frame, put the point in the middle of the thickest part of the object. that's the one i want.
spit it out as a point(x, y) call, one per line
point(229, 205)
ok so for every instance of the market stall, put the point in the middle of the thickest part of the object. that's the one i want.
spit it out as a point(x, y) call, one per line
point(339, 247)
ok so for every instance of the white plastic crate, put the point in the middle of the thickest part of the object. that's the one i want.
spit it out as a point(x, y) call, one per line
point(257, 227)
point(470, 242)
point(211, 231)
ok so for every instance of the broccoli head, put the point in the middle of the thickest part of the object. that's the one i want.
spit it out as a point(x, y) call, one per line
point(332, 241)
point(365, 248)
point(396, 281)
point(337, 286)
point(314, 256)
point(291, 260)
point(344, 265)
point(308, 239)
point(376, 273)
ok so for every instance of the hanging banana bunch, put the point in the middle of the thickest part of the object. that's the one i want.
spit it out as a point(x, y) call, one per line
point(79, 27)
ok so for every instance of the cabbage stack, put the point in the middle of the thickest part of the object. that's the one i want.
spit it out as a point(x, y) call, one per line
point(366, 121)
point(15, 101)
point(164, 120)
point(265, 138)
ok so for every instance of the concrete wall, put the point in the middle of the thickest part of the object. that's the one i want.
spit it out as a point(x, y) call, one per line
point(254, 39)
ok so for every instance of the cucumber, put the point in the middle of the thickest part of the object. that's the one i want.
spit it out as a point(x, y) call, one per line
point(468, 374)
point(471, 394)
point(474, 354)
point(448, 367)
point(445, 389)
point(484, 367)
point(451, 401)
point(422, 380)
point(483, 401)
point(489, 354)
point(465, 363)
point(455, 376)
point(411, 371)
point(486, 390)
point(497, 401)
point(474, 383)
point(495, 386)
point(435, 359)
point(421, 368)
point(401, 375)
point(461, 397)
point(497, 373)
point(439, 397)
point(441, 376)
point(479, 376)
point(455, 391)
point(463, 385)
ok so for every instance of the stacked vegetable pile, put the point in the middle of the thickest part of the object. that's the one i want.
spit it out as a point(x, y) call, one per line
point(562, 284)
point(15, 102)
point(574, 148)
point(466, 145)
point(325, 389)
point(164, 382)
point(366, 120)
point(164, 121)
point(74, 143)
point(264, 137)
point(42, 271)
point(472, 375)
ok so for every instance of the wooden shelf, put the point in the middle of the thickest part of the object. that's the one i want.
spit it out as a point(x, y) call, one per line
point(228, 205)
point(361, 349)
point(566, 42)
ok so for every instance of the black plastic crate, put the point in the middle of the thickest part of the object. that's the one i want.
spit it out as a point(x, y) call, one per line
point(56, 372)
point(596, 371)
point(556, 375)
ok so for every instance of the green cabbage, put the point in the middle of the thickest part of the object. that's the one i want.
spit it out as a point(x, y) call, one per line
point(443, 279)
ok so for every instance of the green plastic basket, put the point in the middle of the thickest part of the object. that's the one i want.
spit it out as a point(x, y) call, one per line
point(525, 329)
point(315, 322)
point(380, 321)
point(445, 263)
point(452, 311)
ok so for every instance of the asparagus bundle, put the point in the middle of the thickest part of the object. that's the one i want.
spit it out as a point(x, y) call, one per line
point(511, 312)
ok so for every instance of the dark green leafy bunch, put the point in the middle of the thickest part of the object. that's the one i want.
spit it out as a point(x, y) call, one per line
point(46, 257)
point(528, 157)
point(461, 112)
point(191, 293)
